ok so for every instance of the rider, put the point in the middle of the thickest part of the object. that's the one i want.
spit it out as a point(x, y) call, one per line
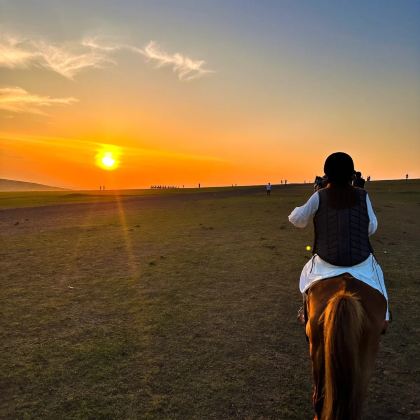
point(343, 220)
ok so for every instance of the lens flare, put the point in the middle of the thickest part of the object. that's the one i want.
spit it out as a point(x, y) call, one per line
point(108, 157)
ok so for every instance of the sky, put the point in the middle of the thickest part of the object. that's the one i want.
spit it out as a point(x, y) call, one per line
point(206, 91)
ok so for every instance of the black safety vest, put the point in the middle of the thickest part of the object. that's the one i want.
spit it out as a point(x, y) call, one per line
point(341, 235)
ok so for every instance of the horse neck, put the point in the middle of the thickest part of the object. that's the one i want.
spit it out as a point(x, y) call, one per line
point(344, 317)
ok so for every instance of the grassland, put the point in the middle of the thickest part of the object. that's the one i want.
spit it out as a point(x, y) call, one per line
point(181, 304)
point(9, 199)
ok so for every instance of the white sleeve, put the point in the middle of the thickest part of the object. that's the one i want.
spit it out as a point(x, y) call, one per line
point(373, 221)
point(380, 279)
point(300, 216)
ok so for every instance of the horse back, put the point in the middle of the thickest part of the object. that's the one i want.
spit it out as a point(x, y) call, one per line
point(373, 302)
point(343, 352)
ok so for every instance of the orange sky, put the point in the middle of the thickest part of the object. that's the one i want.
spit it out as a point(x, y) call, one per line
point(249, 98)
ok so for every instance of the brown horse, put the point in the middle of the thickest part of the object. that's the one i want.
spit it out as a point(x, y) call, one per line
point(345, 321)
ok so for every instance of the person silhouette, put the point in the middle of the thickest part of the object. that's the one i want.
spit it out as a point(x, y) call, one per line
point(268, 189)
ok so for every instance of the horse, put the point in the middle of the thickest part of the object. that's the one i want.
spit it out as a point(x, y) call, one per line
point(344, 325)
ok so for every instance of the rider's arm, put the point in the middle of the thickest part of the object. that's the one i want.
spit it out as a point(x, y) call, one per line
point(373, 221)
point(300, 216)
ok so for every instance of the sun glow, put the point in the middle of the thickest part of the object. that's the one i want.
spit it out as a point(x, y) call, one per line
point(108, 161)
point(108, 157)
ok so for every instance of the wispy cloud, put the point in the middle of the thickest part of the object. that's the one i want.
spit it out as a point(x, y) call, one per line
point(71, 58)
point(13, 55)
point(88, 148)
point(18, 100)
point(99, 44)
point(185, 67)
point(66, 59)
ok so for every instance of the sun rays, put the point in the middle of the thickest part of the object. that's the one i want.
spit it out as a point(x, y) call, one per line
point(131, 260)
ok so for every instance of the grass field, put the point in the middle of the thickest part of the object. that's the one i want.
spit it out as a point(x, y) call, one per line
point(182, 304)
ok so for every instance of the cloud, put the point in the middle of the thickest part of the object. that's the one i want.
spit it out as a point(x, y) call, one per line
point(185, 67)
point(95, 43)
point(18, 100)
point(12, 55)
point(89, 149)
point(68, 59)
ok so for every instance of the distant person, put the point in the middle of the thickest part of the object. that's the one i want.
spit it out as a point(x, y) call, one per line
point(199, 185)
point(285, 181)
point(268, 189)
point(368, 178)
point(358, 181)
point(343, 219)
point(406, 177)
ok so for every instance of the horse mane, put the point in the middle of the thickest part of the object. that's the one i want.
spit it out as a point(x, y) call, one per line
point(343, 318)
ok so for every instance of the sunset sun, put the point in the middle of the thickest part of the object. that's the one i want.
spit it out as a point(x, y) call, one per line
point(108, 158)
point(108, 161)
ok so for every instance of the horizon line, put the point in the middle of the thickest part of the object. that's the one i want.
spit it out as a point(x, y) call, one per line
point(173, 187)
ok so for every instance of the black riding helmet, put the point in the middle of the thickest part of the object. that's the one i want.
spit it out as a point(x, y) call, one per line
point(339, 168)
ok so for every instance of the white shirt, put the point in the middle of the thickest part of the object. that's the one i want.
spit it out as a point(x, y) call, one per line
point(368, 271)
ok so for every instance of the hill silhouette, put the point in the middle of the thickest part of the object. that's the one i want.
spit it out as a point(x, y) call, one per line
point(13, 185)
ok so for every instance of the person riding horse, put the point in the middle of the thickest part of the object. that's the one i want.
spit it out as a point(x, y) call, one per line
point(342, 269)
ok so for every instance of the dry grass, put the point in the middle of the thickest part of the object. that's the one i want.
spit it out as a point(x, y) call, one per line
point(183, 306)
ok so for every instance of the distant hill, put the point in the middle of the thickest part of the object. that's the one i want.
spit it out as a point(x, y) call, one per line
point(12, 185)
